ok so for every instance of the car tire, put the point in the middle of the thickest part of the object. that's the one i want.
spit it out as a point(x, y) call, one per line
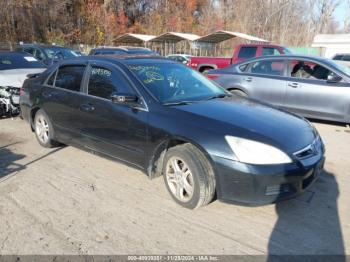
point(43, 129)
point(204, 70)
point(238, 92)
point(188, 176)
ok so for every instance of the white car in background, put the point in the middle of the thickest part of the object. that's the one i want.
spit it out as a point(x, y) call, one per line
point(182, 58)
point(14, 70)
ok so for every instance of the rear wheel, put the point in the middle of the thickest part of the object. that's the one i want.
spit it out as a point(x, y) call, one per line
point(238, 92)
point(204, 70)
point(43, 130)
point(188, 176)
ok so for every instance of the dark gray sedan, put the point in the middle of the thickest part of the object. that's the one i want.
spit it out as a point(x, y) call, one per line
point(313, 87)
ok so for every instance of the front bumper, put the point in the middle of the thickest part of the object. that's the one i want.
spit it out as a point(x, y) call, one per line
point(264, 184)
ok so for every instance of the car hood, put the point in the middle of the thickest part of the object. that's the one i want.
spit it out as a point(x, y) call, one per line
point(16, 77)
point(248, 119)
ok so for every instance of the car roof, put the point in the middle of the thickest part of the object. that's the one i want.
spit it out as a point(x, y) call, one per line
point(14, 53)
point(42, 46)
point(117, 59)
point(288, 56)
point(261, 44)
point(124, 48)
point(179, 55)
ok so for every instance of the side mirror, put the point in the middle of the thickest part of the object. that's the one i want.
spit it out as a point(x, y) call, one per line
point(125, 99)
point(333, 78)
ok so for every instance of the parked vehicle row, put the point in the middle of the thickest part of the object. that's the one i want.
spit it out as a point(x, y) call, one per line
point(167, 119)
point(313, 87)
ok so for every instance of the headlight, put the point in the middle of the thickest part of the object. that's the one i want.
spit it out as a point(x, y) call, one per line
point(252, 152)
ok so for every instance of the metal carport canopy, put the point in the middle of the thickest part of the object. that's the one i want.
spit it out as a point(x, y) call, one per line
point(134, 38)
point(175, 37)
point(220, 36)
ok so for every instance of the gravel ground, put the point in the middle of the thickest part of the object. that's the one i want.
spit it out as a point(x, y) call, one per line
point(67, 201)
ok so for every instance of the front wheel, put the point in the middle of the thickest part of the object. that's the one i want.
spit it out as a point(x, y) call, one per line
point(188, 176)
point(43, 130)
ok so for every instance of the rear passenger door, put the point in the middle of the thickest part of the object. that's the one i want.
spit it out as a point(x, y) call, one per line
point(113, 129)
point(265, 80)
point(61, 97)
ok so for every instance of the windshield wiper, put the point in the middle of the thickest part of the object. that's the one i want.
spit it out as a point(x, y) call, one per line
point(218, 96)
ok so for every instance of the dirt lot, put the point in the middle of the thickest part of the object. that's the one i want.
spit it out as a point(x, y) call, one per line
point(67, 201)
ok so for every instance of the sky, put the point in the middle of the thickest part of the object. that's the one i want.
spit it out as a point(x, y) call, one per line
point(341, 11)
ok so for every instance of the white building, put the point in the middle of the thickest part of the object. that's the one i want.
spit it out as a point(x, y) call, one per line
point(332, 44)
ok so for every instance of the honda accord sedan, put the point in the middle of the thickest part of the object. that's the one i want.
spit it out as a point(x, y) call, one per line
point(310, 86)
point(169, 120)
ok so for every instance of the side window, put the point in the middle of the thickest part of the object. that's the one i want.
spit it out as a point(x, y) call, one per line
point(181, 59)
point(30, 50)
point(247, 52)
point(244, 67)
point(118, 52)
point(104, 83)
point(308, 70)
point(269, 51)
point(69, 77)
point(268, 67)
point(39, 54)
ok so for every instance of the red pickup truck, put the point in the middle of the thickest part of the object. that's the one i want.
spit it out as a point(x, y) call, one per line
point(240, 53)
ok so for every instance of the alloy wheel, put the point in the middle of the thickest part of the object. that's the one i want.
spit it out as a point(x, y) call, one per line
point(179, 179)
point(42, 129)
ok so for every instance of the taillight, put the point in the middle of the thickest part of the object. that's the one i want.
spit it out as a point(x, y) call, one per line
point(21, 92)
point(212, 76)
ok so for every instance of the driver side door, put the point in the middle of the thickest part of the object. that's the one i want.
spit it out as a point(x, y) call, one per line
point(117, 130)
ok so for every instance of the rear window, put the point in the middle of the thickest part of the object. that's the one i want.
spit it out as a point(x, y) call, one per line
point(268, 67)
point(17, 61)
point(107, 52)
point(61, 52)
point(69, 77)
point(247, 52)
point(141, 52)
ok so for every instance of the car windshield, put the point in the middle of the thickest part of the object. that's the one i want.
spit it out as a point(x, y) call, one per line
point(173, 82)
point(141, 52)
point(10, 61)
point(340, 67)
point(65, 52)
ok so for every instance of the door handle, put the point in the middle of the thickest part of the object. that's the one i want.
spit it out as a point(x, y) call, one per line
point(248, 79)
point(293, 85)
point(87, 107)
